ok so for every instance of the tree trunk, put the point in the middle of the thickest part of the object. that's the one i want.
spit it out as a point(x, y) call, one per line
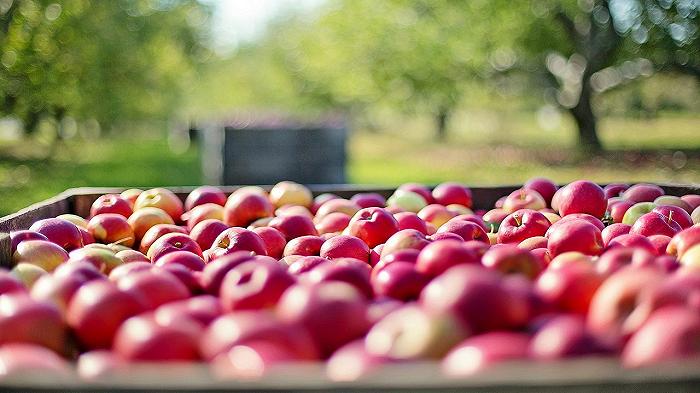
point(586, 121)
point(441, 118)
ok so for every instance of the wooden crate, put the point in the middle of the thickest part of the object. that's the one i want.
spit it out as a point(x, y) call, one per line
point(577, 375)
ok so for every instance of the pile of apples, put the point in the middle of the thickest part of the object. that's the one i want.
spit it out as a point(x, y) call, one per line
point(253, 281)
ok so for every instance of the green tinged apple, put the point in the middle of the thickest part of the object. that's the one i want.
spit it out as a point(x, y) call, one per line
point(407, 201)
point(637, 210)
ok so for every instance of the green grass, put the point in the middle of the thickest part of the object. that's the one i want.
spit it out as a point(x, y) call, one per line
point(505, 149)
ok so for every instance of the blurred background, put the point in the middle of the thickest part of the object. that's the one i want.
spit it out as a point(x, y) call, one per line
point(108, 93)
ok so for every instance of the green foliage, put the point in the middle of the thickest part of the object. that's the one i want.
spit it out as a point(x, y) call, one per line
point(102, 60)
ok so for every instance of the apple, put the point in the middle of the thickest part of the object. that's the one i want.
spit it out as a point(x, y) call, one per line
point(27, 361)
point(521, 225)
point(274, 241)
point(671, 200)
point(304, 245)
point(185, 258)
point(131, 195)
point(545, 187)
point(332, 222)
point(111, 203)
point(290, 193)
point(655, 224)
point(695, 215)
point(75, 219)
point(467, 230)
point(404, 239)
point(320, 199)
point(236, 239)
point(155, 287)
point(691, 257)
point(188, 277)
point(42, 253)
point(449, 193)
point(436, 214)
point(569, 287)
point(373, 225)
point(411, 332)
point(127, 269)
point(161, 198)
point(510, 259)
point(25, 320)
point(476, 297)
point(542, 255)
point(482, 351)
point(643, 193)
point(98, 364)
point(459, 209)
point(204, 194)
point(156, 232)
point(670, 333)
point(369, 199)
point(348, 270)
point(206, 232)
point(83, 270)
point(111, 228)
point(57, 290)
point(578, 217)
point(676, 214)
point(632, 240)
point(399, 280)
point(9, 283)
point(660, 243)
point(614, 189)
point(243, 208)
point(254, 285)
point(352, 362)
point(409, 220)
point(617, 210)
point(250, 361)
point(419, 189)
point(614, 230)
point(143, 219)
point(203, 212)
point(441, 255)
point(202, 310)
point(493, 219)
point(246, 326)
point(141, 338)
point(215, 270)
point(59, 231)
point(562, 336)
point(683, 241)
point(172, 242)
point(345, 246)
point(294, 226)
point(305, 264)
point(128, 256)
point(582, 196)
point(571, 257)
point(619, 257)
point(612, 308)
point(409, 255)
point(333, 312)
point(575, 235)
point(104, 260)
point(523, 198)
point(532, 243)
point(19, 236)
point(406, 201)
point(337, 206)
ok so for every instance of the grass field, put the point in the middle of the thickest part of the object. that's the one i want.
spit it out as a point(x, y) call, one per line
point(507, 150)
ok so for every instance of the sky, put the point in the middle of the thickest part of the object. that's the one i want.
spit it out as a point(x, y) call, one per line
point(237, 21)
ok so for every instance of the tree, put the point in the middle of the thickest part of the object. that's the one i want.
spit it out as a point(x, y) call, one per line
point(110, 61)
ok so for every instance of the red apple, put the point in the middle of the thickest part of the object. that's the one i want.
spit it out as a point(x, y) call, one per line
point(404, 239)
point(660, 243)
point(98, 364)
point(155, 287)
point(643, 193)
point(111, 203)
point(619, 257)
point(436, 214)
point(111, 228)
point(163, 199)
point(614, 230)
point(188, 277)
point(510, 259)
point(202, 309)
point(345, 246)
point(373, 225)
point(655, 224)
point(693, 200)
point(562, 336)
point(683, 241)
point(25, 320)
point(482, 351)
point(143, 219)
point(131, 195)
point(671, 200)
point(304, 245)
point(290, 193)
point(333, 222)
point(236, 239)
point(59, 231)
point(348, 270)
point(334, 313)
point(129, 268)
point(477, 297)
point(207, 211)
point(369, 199)
point(569, 287)
point(521, 225)
point(618, 210)
point(156, 232)
point(242, 208)
point(399, 280)
point(273, 239)
point(582, 196)
point(57, 290)
point(352, 362)
point(614, 189)
point(20, 236)
point(10, 284)
point(523, 199)
point(27, 361)
point(467, 230)
point(575, 235)
point(141, 338)
point(545, 187)
point(670, 333)
point(534, 242)
point(250, 361)
point(204, 194)
point(449, 193)
point(82, 270)
point(254, 285)
point(42, 253)
point(185, 258)
point(441, 255)
point(337, 206)
point(206, 232)
point(632, 240)
point(675, 213)
point(305, 264)
point(172, 242)
point(215, 270)
point(419, 189)
point(409, 220)
point(294, 226)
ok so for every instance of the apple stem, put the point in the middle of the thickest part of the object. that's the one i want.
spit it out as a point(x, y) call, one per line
point(517, 219)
